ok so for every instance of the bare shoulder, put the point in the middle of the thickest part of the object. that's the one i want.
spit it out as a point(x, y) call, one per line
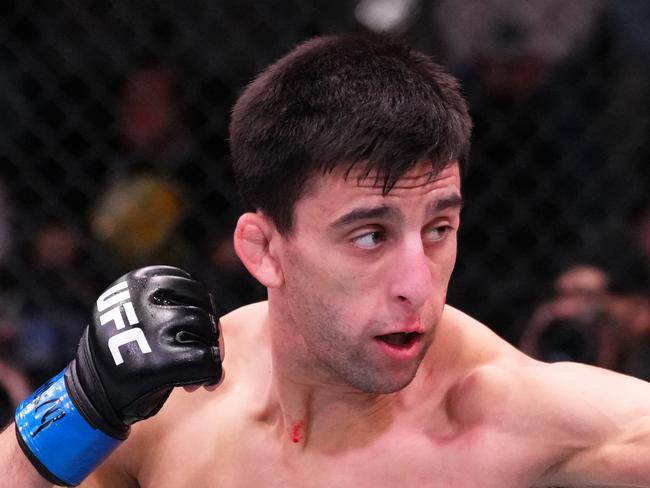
point(482, 368)
point(559, 404)
point(187, 419)
point(244, 321)
point(567, 424)
point(475, 343)
point(244, 330)
point(493, 377)
point(248, 313)
point(547, 410)
point(135, 457)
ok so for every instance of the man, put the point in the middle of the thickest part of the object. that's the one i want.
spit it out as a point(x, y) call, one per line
point(355, 372)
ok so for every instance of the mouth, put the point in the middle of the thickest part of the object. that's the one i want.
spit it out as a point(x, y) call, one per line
point(400, 346)
point(400, 340)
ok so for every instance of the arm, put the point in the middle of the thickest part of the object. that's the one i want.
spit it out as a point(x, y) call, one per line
point(16, 469)
point(597, 421)
point(153, 329)
point(116, 471)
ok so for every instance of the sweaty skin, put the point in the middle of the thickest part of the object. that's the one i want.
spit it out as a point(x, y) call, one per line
point(314, 397)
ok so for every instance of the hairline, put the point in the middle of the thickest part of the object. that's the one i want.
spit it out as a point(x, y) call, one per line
point(347, 175)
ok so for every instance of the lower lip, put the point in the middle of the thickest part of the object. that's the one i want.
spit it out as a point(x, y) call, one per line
point(401, 353)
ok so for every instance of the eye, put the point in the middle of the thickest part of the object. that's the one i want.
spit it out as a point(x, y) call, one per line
point(438, 233)
point(369, 240)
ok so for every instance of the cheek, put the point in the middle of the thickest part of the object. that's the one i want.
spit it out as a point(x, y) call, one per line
point(442, 268)
point(313, 286)
point(327, 297)
point(332, 277)
point(317, 307)
point(450, 259)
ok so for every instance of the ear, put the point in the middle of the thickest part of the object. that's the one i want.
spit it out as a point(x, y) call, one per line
point(252, 240)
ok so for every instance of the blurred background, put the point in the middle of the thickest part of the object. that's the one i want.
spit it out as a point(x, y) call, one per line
point(114, 154)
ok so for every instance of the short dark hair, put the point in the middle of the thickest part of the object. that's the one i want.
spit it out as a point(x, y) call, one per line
point(349, 100)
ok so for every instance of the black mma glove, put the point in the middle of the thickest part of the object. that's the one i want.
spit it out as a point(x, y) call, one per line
point(153, 329)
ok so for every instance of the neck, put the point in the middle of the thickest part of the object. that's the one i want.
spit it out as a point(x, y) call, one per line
point(310, 410)
point(308, 413)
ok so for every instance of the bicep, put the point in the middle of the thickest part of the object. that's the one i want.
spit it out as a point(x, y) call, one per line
point(622, 461)
point(598, 423)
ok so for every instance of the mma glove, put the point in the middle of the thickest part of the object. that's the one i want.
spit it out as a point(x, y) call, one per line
point(153, 329)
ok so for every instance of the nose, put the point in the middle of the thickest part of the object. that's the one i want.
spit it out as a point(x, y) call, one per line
point(411, 280)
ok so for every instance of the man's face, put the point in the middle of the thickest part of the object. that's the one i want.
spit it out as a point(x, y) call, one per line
point(366, 275)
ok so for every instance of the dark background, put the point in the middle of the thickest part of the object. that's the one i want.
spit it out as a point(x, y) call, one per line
point(114, 154)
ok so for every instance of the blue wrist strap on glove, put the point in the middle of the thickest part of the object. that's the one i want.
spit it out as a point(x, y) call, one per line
point(63, 446)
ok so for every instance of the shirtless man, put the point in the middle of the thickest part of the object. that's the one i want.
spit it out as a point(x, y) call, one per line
point(355, 373)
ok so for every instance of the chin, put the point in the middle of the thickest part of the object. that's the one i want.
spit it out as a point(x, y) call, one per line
point(382, 385)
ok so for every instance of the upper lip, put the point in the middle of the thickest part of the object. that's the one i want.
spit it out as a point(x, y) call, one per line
point(411, 327)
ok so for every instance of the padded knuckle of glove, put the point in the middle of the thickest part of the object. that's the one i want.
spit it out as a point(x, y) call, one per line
point(152, 329)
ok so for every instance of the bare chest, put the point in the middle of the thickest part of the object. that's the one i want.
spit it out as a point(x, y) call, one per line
point(244, 457)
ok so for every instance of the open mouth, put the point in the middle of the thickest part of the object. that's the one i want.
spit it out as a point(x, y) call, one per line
point(402, 340)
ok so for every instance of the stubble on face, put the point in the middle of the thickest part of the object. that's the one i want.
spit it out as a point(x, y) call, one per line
point(332, 321)
point(338, 349)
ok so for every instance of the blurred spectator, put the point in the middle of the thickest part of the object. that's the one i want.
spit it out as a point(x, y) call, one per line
point(559, 93)
point(544, 80)
point(58, 260)
point(633, 305)
point(576, 324)
point(586, 322)
point(633, 312)
point(56, 300)
point(149, 116)
point(512, 44)
point(139, 213)
point(137, 216)
point(625, 246)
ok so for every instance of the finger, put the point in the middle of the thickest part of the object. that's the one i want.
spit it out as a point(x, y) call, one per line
point(157, 270)
point(179, 291)
point(194, 324)
point(214, 386)
point(197, 365)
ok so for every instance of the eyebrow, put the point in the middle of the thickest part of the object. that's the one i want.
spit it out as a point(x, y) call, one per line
point(366, 213)
point(393, 213)
point(455, 200)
